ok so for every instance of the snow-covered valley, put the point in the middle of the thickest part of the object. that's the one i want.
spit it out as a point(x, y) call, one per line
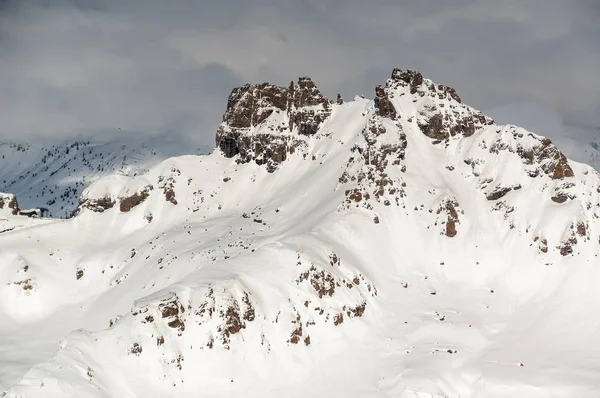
point(322, 249)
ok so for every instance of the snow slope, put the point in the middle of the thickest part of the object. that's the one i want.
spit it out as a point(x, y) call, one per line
point(393, 253)
point(53, 175)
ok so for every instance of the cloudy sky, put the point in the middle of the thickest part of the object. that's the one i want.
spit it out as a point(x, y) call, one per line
point(72, 67)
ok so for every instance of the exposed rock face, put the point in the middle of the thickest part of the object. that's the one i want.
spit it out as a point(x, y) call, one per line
point(553, 162)
point(386, 109)
point(441, 124)
point(540, 157)
point(449, 206)
point(412, 78)
point(442, 114)
point(263, 122)
point(372, 166)
point(434, 128)
point(306, 97)
point(498, 193)
point(9, 201)
point(250, 105)
point(559, 198)
point(129, 202)
point(306, 94)
point(98, 205)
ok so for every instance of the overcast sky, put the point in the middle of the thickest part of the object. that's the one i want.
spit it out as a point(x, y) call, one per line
point(71, 67)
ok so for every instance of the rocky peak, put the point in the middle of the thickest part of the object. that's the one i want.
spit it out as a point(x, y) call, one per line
point(264, 122)
point(307, 94)
point(413, 78)
point(440, 113)
point(250, 105)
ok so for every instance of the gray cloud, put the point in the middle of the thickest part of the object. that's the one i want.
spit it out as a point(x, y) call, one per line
point(72, 67)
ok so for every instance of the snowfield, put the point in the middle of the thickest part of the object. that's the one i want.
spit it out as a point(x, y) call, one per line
point(391, 254)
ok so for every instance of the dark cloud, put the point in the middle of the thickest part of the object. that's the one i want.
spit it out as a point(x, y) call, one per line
point(72, 66)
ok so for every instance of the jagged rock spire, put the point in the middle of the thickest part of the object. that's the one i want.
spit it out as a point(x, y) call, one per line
point(260, 120)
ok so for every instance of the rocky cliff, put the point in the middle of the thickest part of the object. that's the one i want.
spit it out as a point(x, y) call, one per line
point(264, 123)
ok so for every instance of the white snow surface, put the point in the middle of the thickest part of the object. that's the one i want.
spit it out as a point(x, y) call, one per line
point(277, 284)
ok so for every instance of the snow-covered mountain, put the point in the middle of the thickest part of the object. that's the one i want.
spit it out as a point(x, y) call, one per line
point(53, 175)
point(323, 249)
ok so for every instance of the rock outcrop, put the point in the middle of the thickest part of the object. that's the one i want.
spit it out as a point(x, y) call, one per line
point(264, 123)
point(97, 205)
point(553, 162)
point(129, 202)
point(442, 114)
point(9, 202)
point(415, 80)
point(386, 109)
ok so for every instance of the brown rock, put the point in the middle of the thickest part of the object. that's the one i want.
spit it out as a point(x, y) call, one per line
point(233, 321)
point(566, 249)
point(11, 203)
point(562, 169)
point(452, 220)
point(498, 193)
point(434, 128)
point(386, 109)
point(135, 349)
point(307, 94)
point(97, 205)
point(413, 78)
point(581, 229)
point(250, 105)
point(560, 197)
point(338, 319)
point(128, 203)
point(550, 159)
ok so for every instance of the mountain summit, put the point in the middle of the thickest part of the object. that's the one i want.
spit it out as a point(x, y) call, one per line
point(263, 122)
point(404, 246)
